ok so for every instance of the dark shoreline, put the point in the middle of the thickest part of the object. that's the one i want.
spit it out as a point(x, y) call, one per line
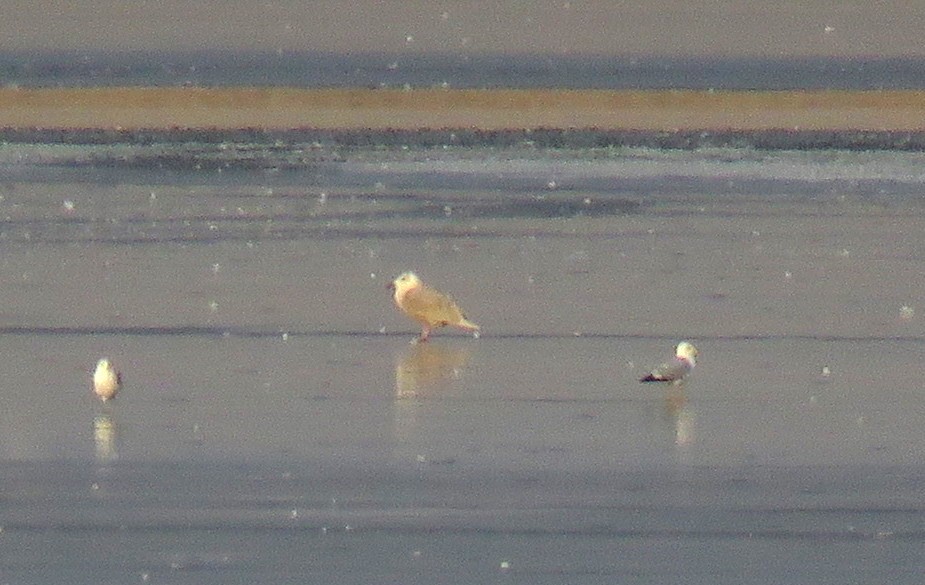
point(317, 70)
point(541, 138)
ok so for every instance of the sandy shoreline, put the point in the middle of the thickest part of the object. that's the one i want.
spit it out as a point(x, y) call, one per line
point(379, 109)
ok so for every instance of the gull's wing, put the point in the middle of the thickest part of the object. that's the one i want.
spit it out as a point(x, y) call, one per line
point(431, 306)
point(672, 371)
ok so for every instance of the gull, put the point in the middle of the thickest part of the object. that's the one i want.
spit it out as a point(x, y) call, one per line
point(674, 371)
point(429, 307)
point(106, 380)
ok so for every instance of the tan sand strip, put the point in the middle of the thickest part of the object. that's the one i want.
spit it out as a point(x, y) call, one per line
point(282, 108)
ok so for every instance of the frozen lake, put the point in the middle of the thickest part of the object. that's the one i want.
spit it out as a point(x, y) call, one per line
point(277, 426)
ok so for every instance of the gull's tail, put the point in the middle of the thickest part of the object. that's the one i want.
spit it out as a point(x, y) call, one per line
point(467, 325)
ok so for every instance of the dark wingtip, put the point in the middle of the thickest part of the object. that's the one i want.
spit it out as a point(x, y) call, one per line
point(650, 378)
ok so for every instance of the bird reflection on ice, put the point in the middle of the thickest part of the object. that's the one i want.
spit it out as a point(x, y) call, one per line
point(426, 368)
point(681, 416)
point(104, 438)
point(422, 372)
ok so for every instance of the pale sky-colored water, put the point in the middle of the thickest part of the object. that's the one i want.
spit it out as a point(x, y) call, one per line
point(697, 28)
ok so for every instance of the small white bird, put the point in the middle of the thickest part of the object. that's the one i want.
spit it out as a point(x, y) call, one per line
point(675, 370)
point(429, 307)
point(106, 380)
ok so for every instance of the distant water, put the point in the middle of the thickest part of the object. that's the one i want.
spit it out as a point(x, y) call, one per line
point(510, 170)
point(318, 70)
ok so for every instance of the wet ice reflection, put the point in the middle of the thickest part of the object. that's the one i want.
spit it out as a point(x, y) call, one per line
point(424, 374)
point(105, 438)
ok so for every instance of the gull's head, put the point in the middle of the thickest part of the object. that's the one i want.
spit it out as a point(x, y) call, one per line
point(686, 350)
point(405, 282)
point(104, 365)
